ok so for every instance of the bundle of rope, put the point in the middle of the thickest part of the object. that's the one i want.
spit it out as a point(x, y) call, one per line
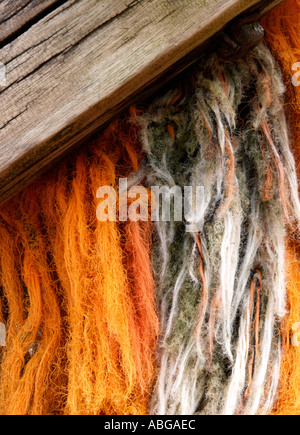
point(74, 291)
point(189, 315)
point(283, 36)
point(223, 299)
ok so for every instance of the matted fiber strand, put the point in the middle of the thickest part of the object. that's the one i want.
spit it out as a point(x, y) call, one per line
point(283, 36)
point(74, 292)
point(223, 299)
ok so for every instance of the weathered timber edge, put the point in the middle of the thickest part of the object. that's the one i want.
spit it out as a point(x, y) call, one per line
point(78, 66)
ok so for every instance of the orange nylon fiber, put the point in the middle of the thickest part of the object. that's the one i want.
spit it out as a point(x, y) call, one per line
point(289, 393)
point(77, 294)
point(282, 27)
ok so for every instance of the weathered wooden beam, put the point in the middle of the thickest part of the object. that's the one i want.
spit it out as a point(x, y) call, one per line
point(76, 67)
point(16, 14)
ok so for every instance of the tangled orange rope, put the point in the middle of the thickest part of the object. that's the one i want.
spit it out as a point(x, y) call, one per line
point(282, 27)
point(77, 295)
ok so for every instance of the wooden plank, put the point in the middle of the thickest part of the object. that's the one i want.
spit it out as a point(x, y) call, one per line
point(15, 14)
point(71, 71)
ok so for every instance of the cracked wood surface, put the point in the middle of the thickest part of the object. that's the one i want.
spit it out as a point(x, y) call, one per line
point(17, 14)
point(82, 62)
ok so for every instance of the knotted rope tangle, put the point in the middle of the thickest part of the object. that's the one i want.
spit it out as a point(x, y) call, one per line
point(222, 290)
point(74, 291)
point(283, 35)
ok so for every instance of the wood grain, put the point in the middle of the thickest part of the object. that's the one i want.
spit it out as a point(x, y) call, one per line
point(76, 67)
point(15, 14)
